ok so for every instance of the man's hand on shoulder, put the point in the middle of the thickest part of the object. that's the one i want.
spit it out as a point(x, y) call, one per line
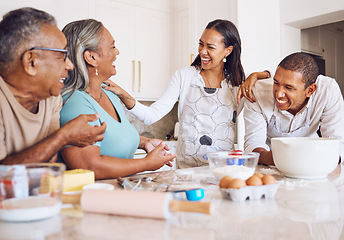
point(78, 132)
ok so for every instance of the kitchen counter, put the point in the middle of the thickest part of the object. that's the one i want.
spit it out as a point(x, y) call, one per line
point(301, 209)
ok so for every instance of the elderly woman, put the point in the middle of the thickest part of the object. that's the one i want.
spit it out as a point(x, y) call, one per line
point(93, 52)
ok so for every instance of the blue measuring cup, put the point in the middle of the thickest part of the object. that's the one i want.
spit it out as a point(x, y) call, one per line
point(193, 194)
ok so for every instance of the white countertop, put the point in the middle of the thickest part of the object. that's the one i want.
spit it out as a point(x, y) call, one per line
point(301, 209)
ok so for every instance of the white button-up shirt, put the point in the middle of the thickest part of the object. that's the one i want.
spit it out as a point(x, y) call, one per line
point(324, 109)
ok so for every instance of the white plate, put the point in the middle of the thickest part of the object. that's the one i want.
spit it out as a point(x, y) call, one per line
point(31, 208)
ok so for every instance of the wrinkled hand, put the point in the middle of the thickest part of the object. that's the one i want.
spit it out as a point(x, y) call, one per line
point(79, 133)
point(156, 160)
point(151, 143)
point(125, 97)
point(113, 87)
point(245, 89)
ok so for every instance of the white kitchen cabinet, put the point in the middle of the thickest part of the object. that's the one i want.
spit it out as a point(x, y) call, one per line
point(142, 36)
point(326, 41)
point(182, 43)
point(141, 29)
point(310, 41)
point(64, 11)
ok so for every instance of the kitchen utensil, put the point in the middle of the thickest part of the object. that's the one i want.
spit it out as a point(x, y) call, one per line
point(176, 130)
point(233, 163)
point(305, 157)
point(143, 179)
point(191, 194)
point(30, 192)
point(135, 203)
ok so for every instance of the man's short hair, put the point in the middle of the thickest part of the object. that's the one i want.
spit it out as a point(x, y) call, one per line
point(302, 63)
point(18, 29)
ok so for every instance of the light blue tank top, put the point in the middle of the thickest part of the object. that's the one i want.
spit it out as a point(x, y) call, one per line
point(121, 139)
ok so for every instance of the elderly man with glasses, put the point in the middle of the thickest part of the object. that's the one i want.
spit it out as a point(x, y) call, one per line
point(33, 65)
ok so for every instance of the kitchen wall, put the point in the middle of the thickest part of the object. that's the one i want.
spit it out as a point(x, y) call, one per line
point(271, 30)
point(54, 7)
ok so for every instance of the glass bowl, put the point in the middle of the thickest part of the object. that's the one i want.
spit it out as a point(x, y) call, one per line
point(30, 192)
point(233, 164)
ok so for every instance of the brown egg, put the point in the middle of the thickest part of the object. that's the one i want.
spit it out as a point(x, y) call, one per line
point(268, 179)
point(224, 182)
point(254, 181)
point(258, 174)
point(237, 183)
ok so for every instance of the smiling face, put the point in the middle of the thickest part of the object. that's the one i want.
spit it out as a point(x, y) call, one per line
point(212, 49)
point(53, 68)
point(289, 90)
point(107, 55)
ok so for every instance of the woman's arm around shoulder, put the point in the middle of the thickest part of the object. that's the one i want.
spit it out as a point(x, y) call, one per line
point(157, 110)
point(245, 89)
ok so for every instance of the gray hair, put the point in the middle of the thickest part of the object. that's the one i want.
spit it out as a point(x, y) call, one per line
point(18, 31)
point(83, 35)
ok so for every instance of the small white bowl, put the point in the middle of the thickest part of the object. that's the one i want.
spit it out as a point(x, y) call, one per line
point(305, 157)
point(105, 186)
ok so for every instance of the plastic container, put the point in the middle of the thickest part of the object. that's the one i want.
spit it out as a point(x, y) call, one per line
point(250, 192)
point(30, 192)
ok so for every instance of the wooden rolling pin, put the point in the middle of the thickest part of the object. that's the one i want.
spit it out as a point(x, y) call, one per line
point(134, 203)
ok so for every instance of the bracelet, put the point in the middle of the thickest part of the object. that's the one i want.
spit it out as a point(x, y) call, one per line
point(268, 72)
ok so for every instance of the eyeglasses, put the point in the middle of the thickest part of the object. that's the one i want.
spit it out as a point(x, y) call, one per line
point(65, 51)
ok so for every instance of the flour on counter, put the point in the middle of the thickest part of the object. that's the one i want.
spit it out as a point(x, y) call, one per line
point(270, 171)
point(233, 171)
point(290, 183)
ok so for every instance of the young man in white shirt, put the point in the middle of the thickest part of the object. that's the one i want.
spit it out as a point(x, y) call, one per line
point(296, 104)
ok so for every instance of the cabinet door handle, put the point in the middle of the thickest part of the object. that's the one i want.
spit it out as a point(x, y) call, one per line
point(139, 76)
point(133, 87)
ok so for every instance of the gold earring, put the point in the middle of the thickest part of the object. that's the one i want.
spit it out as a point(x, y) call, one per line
point(97, 72)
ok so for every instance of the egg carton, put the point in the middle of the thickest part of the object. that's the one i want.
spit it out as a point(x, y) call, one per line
point(250, 192)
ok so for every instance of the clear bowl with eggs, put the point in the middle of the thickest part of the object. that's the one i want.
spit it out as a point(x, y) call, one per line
point(234, 164)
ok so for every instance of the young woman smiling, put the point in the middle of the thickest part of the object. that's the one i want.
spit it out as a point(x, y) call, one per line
point(207, 93)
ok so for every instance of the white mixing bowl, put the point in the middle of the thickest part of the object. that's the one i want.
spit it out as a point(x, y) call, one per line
point(305, 157)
